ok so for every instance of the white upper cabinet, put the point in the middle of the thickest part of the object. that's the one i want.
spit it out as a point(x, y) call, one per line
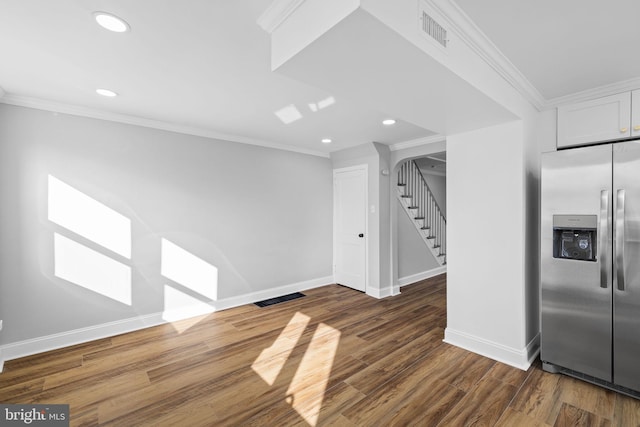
point(635, 113)
point(602, 119)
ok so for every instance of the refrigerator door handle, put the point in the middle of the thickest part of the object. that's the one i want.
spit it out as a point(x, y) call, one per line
point(620, 240)
point(604, 239)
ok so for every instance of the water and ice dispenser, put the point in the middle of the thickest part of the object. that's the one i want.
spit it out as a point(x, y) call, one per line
point(574, 237)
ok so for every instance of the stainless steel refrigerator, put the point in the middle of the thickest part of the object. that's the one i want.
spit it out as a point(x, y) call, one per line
point(590, 264)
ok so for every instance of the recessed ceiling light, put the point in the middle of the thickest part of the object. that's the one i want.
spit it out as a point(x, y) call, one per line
point(388, 122)
point(106, 92)
point(326, 141)
point(111, 22)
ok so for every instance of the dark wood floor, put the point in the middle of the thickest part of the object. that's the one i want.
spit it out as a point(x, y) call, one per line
point(335, 357)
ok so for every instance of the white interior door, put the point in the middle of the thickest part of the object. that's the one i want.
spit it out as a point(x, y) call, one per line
point(350, 226)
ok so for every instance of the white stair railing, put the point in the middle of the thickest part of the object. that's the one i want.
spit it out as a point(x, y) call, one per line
point(423, 208)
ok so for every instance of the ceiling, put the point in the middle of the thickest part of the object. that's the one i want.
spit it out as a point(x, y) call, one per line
point(205, 68)
point(434, 164)
point(563, 47)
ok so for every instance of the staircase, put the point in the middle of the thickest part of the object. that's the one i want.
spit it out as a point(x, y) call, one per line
point(418, 202)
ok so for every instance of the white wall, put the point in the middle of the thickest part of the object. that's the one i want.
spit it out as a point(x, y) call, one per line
point(414, 258)
point(384, 214)
point(546, 132)
point(486, 293)
point(262, 217)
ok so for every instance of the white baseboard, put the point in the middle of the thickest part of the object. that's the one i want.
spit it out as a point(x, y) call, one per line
point(383, 292)
point(272, 293)
point(533, 349)
point(407, 280)
point(82, 335)
point(518, 358)
point(403, 281)
point(79, 336)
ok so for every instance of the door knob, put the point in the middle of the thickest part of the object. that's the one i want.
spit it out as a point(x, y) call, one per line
point(624, 130)
point(360, 235)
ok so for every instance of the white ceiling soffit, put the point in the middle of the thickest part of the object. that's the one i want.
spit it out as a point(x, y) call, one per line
point(444, 102)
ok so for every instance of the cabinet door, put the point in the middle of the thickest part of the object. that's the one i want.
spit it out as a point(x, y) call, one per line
point(602, 119)
point(635, 113)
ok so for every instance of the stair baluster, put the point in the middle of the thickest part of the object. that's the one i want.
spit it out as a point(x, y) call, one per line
point(424, 208)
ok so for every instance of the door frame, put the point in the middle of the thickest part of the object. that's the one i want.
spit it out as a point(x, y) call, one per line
point(365, 169)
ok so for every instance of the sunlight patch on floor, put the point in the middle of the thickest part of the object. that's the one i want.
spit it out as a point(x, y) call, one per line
point(306, 391)
point(272, 359)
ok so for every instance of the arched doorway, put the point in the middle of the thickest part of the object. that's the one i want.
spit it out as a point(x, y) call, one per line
point(418, 215)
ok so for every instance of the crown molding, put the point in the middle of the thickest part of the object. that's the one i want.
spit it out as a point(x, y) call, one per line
point(277, 12)
point(473, 37)
point(417, 142)
point(598, 92)
point(40, 104)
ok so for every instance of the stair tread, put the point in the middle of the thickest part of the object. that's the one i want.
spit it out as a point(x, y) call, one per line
point(424, 227)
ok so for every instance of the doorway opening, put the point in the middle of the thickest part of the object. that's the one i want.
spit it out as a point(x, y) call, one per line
point(419, 200)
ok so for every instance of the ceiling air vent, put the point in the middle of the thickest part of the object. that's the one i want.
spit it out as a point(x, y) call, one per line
point(431, 27)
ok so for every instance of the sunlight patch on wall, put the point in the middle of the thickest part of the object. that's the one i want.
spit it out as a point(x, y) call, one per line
point(89, 218)
point(188, 270)
point(322, 104)
point(182, 309)
point(288, 114)
point(306, 391)
point(272, 359)
point(92, 270)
